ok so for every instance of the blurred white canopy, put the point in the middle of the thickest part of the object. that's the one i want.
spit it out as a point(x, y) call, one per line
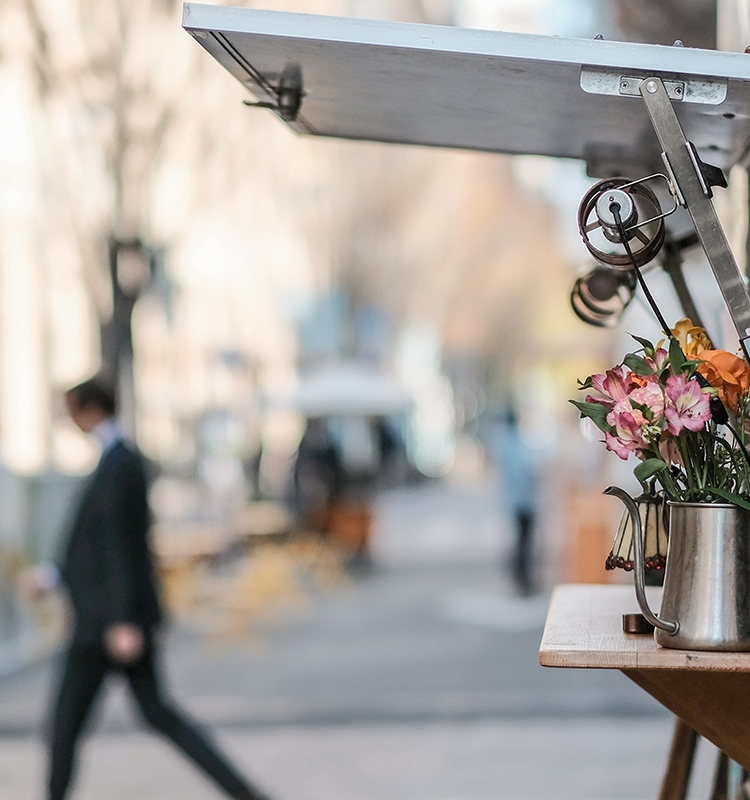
point(344, 389)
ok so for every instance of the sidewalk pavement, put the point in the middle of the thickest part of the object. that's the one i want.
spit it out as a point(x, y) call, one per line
point(415, 681)
point(580, 759)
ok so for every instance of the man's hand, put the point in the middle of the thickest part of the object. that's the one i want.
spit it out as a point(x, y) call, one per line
point(38, 581)
point(124, 643)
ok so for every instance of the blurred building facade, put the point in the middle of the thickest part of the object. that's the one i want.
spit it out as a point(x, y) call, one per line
point(255, 229)
point(269, 253)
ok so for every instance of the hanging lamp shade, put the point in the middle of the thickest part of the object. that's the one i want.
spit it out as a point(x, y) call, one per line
point(652, 512)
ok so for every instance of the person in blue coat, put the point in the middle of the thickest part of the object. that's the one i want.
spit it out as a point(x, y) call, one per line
point(517, 466)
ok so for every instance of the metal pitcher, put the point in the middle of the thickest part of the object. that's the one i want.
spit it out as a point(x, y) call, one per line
point(706, 599)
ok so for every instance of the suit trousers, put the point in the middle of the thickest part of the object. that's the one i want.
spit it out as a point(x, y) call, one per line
point(85, 667)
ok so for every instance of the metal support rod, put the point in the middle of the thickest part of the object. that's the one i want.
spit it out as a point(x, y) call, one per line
point(672, 265)
point(694, 195)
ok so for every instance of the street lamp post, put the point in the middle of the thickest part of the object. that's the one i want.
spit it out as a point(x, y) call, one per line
point(132, 265)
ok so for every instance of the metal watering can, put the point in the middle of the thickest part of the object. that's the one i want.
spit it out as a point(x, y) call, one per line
point(706, 598)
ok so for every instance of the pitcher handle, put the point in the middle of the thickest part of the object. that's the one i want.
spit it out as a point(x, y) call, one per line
point(639, 566)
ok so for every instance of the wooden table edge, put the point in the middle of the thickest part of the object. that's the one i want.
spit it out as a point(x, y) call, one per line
point(584, 631)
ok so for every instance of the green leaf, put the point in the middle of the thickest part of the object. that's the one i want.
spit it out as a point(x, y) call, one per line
point(637, 364)
point(647, 411)
point(676, 356)
point(647, 346)
point(648, 468)
point(595, 412)
point(731, 497)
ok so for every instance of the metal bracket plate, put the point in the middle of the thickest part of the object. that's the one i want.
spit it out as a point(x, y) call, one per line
point(690, 89)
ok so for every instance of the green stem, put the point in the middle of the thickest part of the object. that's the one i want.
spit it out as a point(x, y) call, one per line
point(670, 485)
point(683, 444)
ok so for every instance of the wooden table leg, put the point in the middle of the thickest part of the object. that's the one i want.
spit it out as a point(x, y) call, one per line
point(720, 789)
point(729, 780)
point(676, 779)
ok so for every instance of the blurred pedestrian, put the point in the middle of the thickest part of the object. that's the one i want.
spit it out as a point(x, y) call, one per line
point(517, 467)
point(108, 571)
point(316, 476)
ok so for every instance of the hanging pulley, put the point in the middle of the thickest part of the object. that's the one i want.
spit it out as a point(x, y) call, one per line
point(616, 211)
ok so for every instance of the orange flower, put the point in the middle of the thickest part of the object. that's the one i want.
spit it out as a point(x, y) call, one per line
point(727, 373)
point(692, 338)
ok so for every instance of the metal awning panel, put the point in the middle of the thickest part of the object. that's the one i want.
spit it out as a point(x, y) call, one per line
point(481, 90)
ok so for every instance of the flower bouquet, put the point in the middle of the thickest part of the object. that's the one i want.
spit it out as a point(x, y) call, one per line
point(680, 407)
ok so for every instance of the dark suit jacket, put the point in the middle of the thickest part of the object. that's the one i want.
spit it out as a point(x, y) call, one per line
point(107, 565)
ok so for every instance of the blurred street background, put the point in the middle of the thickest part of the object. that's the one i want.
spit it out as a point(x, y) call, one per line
point(318, 346)
point(414, 678)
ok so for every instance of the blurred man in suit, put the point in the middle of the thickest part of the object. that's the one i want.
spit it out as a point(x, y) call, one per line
point(108, 571)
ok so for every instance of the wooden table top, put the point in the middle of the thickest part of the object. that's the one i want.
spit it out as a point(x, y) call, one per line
point(584, 630)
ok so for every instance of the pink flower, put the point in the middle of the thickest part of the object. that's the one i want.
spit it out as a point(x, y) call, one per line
point(613, 386)
point(669, 451)
point(637, 418)
point(688, 407)
point(659, 361)
point(651, 395)
point(628, 424)
point(620, 446)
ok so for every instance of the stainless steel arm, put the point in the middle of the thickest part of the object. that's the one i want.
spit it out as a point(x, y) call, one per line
point(694, 194)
